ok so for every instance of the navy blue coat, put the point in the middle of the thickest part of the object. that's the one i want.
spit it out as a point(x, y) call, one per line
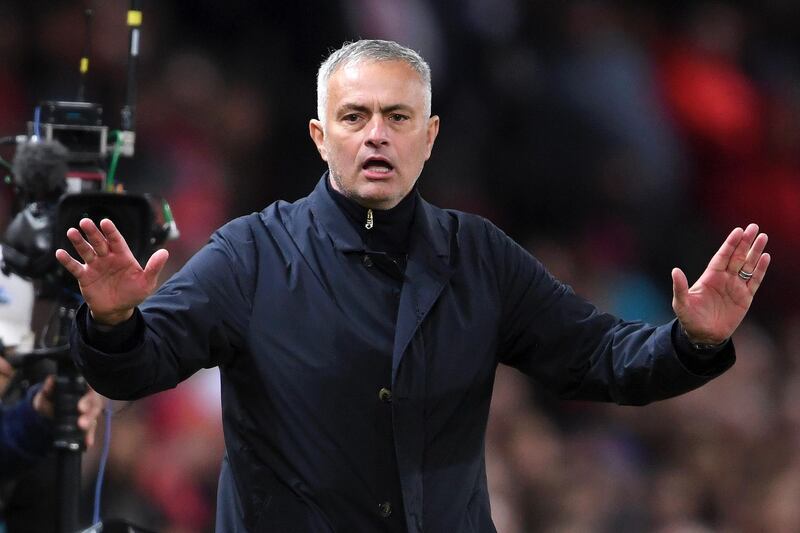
point(353, 403)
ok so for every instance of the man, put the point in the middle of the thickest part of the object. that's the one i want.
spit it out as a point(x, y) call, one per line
point(26, 425)
point(358, 329)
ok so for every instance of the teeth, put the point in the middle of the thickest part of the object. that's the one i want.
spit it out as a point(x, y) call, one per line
point(378, 166)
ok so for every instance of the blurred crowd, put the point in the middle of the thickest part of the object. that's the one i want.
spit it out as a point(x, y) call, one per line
point(615, 140)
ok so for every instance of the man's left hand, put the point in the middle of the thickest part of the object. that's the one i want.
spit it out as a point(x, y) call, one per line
point(712, 309)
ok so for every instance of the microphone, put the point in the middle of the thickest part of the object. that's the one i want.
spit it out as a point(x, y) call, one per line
point(40, 168)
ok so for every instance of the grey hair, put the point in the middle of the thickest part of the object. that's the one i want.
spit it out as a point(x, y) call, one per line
point(370, 50)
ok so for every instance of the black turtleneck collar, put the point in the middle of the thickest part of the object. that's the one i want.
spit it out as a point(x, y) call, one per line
point(390, 227)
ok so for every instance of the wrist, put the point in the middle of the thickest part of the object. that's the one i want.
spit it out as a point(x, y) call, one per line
point(702, 344)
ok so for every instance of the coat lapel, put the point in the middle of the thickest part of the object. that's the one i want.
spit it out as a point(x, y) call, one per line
point(318, 222)
point(428, 270)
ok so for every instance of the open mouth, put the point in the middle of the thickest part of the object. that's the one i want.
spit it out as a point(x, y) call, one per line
point(377, 165)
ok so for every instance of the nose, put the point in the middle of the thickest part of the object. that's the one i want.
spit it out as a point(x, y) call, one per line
point(377, 133)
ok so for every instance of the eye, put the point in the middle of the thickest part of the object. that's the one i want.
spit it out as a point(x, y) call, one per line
point(397, 117)
point(351, 118)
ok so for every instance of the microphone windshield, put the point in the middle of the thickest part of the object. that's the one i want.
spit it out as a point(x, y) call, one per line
point(40, 169)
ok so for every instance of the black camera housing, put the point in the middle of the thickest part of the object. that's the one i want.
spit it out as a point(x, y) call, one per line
point(40, 228)
point(131, 214)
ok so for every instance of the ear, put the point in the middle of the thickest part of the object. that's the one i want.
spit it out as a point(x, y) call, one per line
point(317, 133)
point(433, 131)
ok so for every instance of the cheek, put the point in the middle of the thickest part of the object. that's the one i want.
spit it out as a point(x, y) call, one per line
point(417, 154)
point(341, 153)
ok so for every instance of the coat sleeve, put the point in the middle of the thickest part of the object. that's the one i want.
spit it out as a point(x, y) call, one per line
point(197, 319)
point(25, 436)
point(567, 345)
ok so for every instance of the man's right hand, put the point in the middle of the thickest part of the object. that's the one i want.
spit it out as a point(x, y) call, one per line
point(110, 278)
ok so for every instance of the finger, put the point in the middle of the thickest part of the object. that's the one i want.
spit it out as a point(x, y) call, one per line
point(90, 412)
point(6, 373)
point(739, 255)
point(758, 272)
point(83, 248)
point(67, 261)
point(5, 368)
point(42, 401)
point(90, 431)
point(90, 406)
point(93, 235)
point(755, 252)
point(49, 387)
point(91, 403)
point(155, 265)
point(87, 420)
point(680, 289)
point(719, 262)
point(116, 242)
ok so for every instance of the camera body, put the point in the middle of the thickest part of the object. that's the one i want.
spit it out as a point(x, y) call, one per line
point(60, 178)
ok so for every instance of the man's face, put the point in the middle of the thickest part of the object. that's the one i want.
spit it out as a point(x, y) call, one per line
point(377, 135)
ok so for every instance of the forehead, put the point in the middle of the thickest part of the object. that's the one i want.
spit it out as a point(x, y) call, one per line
point(390, 82)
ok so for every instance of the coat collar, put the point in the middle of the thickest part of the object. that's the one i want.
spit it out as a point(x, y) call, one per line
point(430, 265)
point(428, 226)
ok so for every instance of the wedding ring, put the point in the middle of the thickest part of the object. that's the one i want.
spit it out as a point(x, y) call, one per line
point(745, 275)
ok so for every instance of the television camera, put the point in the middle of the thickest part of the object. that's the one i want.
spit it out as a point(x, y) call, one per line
point(60, 176)
point(63, 170)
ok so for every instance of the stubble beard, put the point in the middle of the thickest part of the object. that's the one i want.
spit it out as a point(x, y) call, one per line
point(352, 195)
point(345, 191)
point(337, 180)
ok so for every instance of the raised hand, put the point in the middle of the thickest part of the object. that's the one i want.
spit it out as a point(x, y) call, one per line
point(712, 309)
point(110, 278)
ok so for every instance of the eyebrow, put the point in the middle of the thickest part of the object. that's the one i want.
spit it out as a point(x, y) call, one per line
point(384, 110)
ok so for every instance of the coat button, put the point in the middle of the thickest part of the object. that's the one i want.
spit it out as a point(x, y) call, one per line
point(385, 509)
point(367, 260)
point(385, 395)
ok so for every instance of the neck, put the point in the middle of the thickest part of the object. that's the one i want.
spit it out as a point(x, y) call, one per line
point(382, 230)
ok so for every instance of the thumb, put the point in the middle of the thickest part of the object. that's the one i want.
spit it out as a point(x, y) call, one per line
point(155, 265)
point(680, 288)
point(43, 401)
point(49, 387)
point(6, 370)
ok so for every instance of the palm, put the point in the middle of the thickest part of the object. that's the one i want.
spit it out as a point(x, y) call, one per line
point(714, 306)
point(111, 280)
point(114, 281)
